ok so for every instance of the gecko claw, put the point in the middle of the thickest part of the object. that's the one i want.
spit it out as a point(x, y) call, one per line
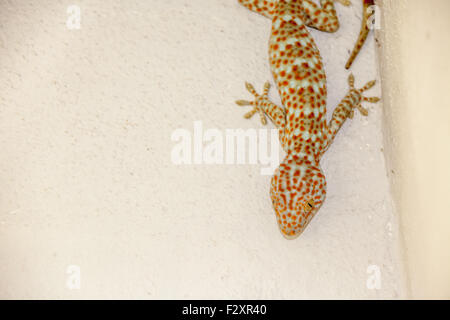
point(351, 80)
point(362, 110)
point(371, 99)
point(266, 88)
point(250, 88)
point(368, 85)
point(344, 2)
point(250, 114)
point(257, 108)
point(243, 103)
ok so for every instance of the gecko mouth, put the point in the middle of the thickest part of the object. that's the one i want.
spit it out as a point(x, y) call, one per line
point(293, 235)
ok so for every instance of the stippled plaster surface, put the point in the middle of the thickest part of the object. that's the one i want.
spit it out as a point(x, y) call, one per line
point(86, 118)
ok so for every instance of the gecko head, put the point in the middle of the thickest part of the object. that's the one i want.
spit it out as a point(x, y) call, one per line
point(298, 190)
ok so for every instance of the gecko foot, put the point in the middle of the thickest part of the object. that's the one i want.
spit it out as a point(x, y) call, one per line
point(368, 85)
point(259, 99)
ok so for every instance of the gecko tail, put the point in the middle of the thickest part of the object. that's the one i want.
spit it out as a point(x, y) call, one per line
point(364, 32)
point(361, 39)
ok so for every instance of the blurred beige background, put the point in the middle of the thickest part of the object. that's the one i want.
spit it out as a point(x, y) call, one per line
point(415, 64)
point(91, 205)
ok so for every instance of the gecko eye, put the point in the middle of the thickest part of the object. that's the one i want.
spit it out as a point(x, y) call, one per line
point(309, 205)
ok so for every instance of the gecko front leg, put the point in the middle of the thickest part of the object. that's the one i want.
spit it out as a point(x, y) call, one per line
point(264, 106)
point(346, 108)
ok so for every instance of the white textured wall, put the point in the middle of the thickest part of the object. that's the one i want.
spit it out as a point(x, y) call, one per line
point(415, 64)
point(86, 177)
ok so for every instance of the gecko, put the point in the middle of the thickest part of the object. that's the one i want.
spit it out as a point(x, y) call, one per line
point(298, 185)
point(363, 33)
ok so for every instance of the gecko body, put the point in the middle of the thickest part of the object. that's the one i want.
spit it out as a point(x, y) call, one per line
point(298, 186)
